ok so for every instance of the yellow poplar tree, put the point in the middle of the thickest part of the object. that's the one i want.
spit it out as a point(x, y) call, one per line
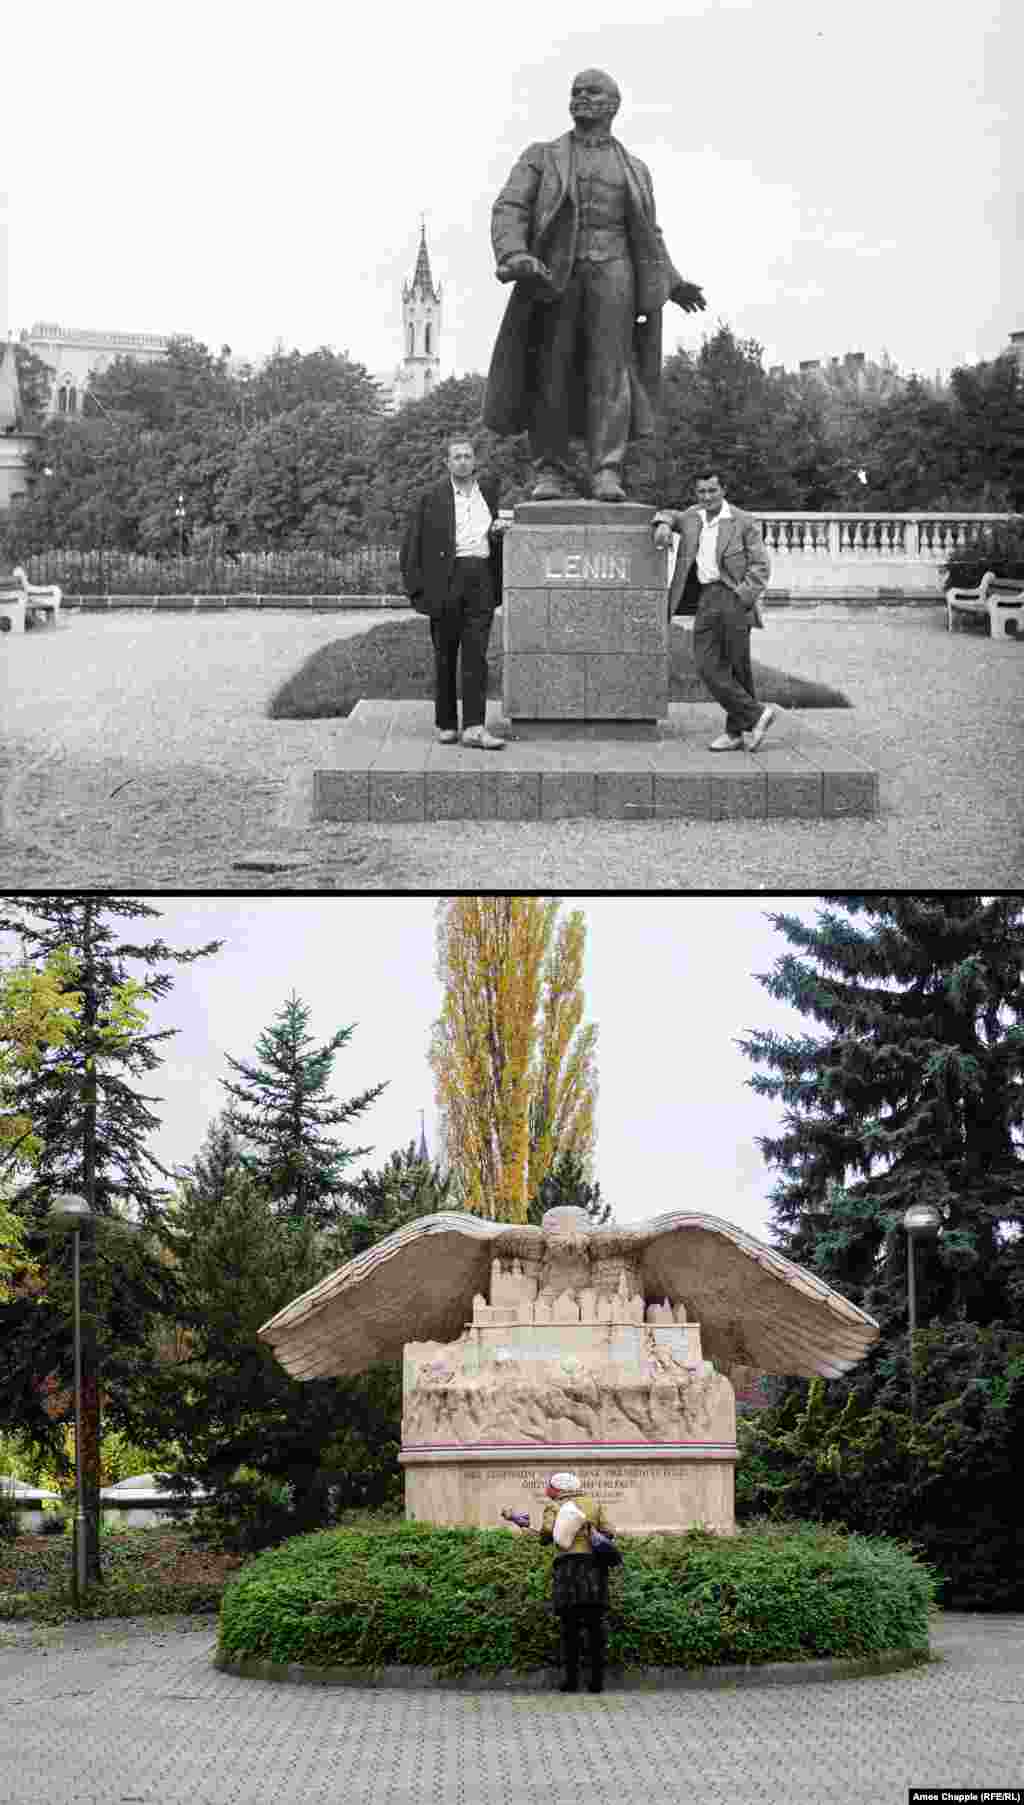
point(514, 1071)
point(38, 1010)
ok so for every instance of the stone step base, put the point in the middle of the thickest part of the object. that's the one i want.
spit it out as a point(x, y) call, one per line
point(389, 766)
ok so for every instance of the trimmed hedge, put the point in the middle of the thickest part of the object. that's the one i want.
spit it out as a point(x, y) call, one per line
point(460, 1600)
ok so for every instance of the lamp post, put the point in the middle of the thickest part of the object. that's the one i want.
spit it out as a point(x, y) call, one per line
point(179, 515)
point(920, 1219)
point(71, 1212)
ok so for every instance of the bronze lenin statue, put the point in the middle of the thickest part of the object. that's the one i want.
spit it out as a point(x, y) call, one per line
point(578, 353)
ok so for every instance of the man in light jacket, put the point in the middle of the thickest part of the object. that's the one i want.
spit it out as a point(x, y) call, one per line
point(732, 569)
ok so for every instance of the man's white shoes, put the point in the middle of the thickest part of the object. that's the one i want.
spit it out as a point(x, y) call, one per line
point(479, 736)
point(448, 736)
point(727, 743)
point(761, 727)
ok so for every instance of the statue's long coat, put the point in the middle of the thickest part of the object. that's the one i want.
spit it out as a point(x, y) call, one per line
point(536, 212)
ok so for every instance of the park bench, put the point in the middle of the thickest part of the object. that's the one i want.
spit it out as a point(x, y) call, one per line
point(23, 603)
point(1000, 600)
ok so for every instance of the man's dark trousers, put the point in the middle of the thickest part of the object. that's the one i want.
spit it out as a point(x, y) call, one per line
point(464, 623)
point(721, 651)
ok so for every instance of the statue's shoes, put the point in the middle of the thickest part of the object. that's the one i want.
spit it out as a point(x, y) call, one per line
point(607, 487)
point(549, 488)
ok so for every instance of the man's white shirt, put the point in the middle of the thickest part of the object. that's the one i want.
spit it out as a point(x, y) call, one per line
point(472, 523)
point(707, 546)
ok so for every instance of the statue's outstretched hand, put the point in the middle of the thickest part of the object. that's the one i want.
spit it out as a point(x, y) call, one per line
point(689, 296)
point(521, 264)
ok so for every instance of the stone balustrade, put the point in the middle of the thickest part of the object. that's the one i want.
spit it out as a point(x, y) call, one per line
point(862, 554)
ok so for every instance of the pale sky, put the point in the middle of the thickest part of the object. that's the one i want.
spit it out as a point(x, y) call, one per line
point(668, 981)
point(838, 177)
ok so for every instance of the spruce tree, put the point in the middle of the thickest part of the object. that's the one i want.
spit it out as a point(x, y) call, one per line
point(403, 1189)
point(281, 1114)
point(92, 1123)
point(910, 1090)
point(567, 1184)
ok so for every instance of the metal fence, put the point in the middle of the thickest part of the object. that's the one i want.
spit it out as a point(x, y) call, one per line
point(360, 570)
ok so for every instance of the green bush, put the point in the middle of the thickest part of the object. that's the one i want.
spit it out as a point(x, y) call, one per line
point(999, 548)
point(9, 1527)
point(467, 1599)
point(945, 1482)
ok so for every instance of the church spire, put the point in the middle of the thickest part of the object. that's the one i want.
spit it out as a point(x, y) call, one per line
point(421, 1150)
point(423, 282)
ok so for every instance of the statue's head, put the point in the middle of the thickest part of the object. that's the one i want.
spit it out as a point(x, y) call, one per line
point(594, 99)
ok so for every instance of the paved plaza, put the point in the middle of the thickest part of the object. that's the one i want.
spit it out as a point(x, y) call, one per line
point(122, 1714)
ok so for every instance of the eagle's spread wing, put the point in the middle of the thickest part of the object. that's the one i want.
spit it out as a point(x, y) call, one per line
point(755, 1307)
point(416, 1285)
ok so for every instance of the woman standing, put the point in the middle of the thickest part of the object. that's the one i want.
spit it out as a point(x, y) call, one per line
point(580, 1583)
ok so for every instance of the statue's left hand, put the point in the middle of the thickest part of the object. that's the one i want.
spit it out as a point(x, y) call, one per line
point(689, 296)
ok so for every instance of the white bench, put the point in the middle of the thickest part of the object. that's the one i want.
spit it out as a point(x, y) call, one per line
point(42, 600)
point(999, 599)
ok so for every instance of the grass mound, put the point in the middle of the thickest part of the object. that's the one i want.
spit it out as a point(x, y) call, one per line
point(461, 1600)
point(394, 661)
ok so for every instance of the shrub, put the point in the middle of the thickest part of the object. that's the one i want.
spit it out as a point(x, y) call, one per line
point(9, 1524)
point(461, 1599)
point(998, 547)
point(53, 1524)
point(944, 1483)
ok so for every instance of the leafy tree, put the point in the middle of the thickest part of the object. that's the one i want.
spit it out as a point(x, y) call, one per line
point(413, 445)
point(405, 1188)
point(219, 1156)
point(300, 479)
point(92, 1124)
point(321, 378)
point(768, 436)
point(912, 1091)
point(568, 1184)
point(280, 1455)
point(280, 1110)
point(987, 407)
point(35, 383)
point(513, 1068)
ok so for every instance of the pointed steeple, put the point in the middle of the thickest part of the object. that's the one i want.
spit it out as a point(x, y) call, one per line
point(422, 282)
point(421, 1150)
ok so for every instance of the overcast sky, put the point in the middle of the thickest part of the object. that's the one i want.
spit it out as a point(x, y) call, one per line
point(838, 177)
point(669, 983)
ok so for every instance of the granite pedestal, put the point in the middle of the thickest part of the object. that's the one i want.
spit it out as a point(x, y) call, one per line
point(584, 621)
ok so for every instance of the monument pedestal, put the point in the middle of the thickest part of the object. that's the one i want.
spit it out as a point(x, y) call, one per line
point(584, 621)
point(567, 1368)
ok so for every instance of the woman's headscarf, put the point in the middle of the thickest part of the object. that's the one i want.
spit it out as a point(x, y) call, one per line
point(567, 1484)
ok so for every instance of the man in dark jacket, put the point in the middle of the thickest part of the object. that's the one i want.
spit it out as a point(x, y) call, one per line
point(451, 568)
point(579, 349)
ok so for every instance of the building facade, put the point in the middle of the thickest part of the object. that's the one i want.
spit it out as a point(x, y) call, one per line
point(76, 353)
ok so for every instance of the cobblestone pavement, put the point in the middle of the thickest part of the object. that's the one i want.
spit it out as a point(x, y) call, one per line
point(105, 1714)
